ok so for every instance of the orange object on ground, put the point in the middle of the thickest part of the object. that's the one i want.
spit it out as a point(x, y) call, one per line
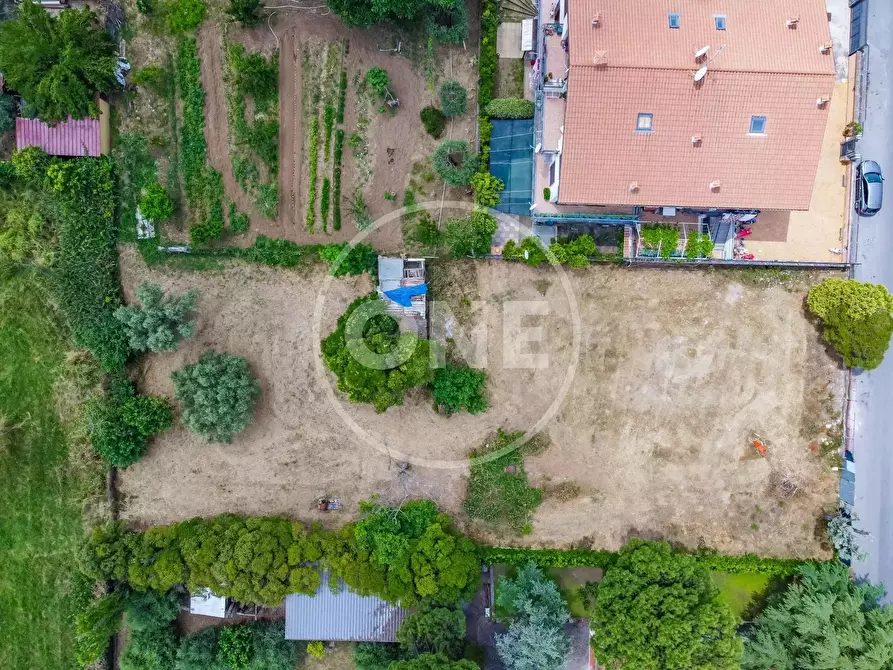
point(760, 447)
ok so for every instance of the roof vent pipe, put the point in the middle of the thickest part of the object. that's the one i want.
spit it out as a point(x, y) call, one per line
point(714, 185)
point(792, 22)
point(826, 48)
point(596, 19)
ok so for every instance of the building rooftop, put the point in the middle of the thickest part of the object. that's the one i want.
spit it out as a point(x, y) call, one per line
point(641, 130)
point(341, 615)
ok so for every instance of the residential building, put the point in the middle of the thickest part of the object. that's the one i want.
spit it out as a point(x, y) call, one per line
point(679, 109)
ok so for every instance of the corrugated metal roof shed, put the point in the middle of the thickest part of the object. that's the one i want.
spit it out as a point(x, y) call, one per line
point(341, 616)
point(79, 137)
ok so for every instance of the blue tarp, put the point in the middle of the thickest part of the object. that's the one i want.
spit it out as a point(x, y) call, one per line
point(511, 160)
point(403, 295)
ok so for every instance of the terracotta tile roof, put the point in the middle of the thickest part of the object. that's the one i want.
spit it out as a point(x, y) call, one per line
point(68, 138)
point(765, 69)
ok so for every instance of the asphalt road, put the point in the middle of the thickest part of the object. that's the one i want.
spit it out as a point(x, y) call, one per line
point(872, 392)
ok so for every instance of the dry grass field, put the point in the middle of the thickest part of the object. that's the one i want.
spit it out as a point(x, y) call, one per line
point(676, 371)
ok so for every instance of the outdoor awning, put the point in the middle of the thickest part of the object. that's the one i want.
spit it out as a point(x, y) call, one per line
point(527, 35)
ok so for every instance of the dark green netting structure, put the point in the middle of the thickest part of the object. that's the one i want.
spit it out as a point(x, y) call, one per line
point(511, 160)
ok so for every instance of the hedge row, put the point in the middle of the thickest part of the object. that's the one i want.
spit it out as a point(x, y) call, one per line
point(509, 108)
point(557, 558)
point(87, 278)
point(490, 12)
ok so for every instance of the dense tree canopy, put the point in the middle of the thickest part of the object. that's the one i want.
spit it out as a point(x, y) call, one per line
point(823, 620)
point(471, 234)
point(218, 395)
point(657, 610)
point(536, 612)
point(57, 64)
point(375, 363)
point(456, 388)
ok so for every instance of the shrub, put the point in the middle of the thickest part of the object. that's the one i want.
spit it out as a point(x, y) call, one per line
point(498, 492)
point(145, 7)
point(198, 651)
point(152, 76)
point(360, 258)
point(699, 245)
point(454, 162)
point(490, 15)
point(432, 662)
point(245, 12)
point(509, 108)
point(277, 252)
point(374, 656)
point(151, 609)
point(235, 647)
point(96, 625)
point(857, 300)
point(316, 649)
point(453, 98)
point(862, 343)
point(471, 235)
point(378, 79)
point(434, 121)
point(663, 238)
point(457, 388)
point(267, 648)
point(842, 536)
point(121, 422)
point(7, 112)
point(218, 394)
point(486, 189)
point(447, 24)
point(325, 202)
point(396, 364)
point(313, 169)
point(426, 232)
point(856, 318)
point(547, 194)
point(650, 590)
point(537, 614)
point(183, 15)
point(437, 631)
point(161, 322)
point(153, 649)
point(238, 222)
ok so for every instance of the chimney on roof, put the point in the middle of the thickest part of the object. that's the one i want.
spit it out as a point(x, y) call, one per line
point(792, 22)
point(826, 47)
point(696, 140)
point(596, 19)
point(634, 187)
point(714, 185)
point(821, 102)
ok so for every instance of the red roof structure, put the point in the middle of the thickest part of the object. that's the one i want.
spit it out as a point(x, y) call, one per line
point(69, 138)
point(732, 97)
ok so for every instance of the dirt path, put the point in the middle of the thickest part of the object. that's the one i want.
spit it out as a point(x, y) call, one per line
point(210, 54)
point(290, 129)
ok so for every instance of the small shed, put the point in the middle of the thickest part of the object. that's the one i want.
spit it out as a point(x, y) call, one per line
point(207, 603)
point(409, 275)
point(340, 615)
point(74, 137)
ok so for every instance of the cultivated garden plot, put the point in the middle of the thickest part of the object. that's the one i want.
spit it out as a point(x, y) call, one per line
point(676, 373)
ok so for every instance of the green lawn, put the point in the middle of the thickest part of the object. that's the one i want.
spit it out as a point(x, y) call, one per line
point(741, 589)
point(40, 508)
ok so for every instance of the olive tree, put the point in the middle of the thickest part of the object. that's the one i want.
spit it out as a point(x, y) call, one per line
point(218, 394)
point(161, 322)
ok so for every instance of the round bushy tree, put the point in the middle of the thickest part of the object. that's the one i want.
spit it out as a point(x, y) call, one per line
point(434, 121)
point(155, 204)
point(218, 395)
point(447, 24)
point(161, 322)
point(453, 98)
point(378, 79)
point(456, 388)
point(471, 235)
point(658, 609)
point(454, 162)
point(486, 189)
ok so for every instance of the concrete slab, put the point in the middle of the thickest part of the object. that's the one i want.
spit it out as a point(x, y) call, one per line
point(508, 40)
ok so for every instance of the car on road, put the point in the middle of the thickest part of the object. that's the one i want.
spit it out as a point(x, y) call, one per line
point(870, 190)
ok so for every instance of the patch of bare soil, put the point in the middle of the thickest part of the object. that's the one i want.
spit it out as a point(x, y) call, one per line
point(676, 372)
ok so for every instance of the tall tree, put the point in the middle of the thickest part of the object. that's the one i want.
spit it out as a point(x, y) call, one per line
point(438, 630)
point(161, 322)
point(536, 612)
point(823, 620)
point(57, 64)
point(657, 610)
